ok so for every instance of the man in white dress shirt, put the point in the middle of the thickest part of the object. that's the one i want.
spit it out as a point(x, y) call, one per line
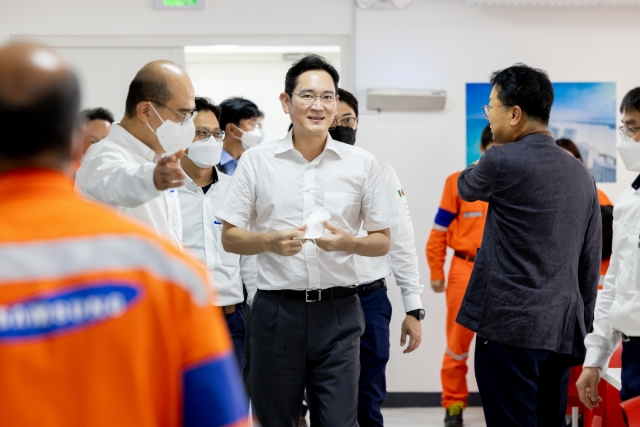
point(306, 316)
point(618, 309)
point(137, 167)
point(200, 199)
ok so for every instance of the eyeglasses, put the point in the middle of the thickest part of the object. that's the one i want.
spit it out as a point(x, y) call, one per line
point(204, 134)
point(185, 116)
point(627, 131)
point(308, 98)
point(487, 108)
point(347, 121)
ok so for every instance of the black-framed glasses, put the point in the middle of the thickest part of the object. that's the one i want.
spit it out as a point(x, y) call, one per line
point(628, 131)
point(204, 134)
point(185, 116)
point(308, 98)
point(487, 108)
point(349, 122)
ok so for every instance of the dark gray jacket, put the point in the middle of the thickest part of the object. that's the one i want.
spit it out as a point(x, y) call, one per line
point(535, 278)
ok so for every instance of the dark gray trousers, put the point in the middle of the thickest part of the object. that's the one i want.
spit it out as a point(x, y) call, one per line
point(294, 343)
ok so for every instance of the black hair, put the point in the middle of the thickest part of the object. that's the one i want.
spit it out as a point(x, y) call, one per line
point(570, 146)
point(53, 116)
point(309, 63)
point(528, 88)
point(631, 101)
point(236, 109)
point(146, 88)
point(206, 104)
point(486, 138)
point(97, 114)
point(349, 99)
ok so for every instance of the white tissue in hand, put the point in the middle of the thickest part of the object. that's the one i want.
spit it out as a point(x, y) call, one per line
point(315, 222)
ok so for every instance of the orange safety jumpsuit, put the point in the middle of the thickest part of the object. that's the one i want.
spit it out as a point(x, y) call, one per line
point(604, 201)
point(102, 323)
point(459, 225)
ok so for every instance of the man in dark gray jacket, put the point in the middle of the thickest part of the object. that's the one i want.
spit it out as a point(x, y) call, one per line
point(533, 289)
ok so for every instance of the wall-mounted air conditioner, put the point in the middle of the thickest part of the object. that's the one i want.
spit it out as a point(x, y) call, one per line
point(553, 3)
point(406, 100)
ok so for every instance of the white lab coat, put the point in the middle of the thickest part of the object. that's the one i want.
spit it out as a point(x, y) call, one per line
point(402, 259)
point(618, 307)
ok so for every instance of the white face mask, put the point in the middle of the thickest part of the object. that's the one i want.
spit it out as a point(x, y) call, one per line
point(630, 152)
point(249, 138)
point(205, 153)
point(315, 227)
point(174, 136)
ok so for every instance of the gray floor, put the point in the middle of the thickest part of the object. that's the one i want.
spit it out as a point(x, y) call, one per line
point(428, 417)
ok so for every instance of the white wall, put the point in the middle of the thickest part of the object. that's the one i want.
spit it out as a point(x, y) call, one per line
point(440, 44)
point(443, 44)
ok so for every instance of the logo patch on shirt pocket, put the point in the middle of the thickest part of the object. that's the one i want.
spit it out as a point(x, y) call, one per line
point(67, 310)
point(472, 214)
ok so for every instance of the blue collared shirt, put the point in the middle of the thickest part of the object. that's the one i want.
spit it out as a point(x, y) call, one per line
point(228, 163)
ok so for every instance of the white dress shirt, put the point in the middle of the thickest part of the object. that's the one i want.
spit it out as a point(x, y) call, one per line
point(118, 171)
point(275, 188)
point(201, 234)
point(618, 306)
point(402, 258)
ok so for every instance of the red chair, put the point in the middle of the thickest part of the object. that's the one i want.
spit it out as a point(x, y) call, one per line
point(631, 409)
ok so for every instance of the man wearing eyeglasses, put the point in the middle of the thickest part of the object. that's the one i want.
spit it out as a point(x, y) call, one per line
point(137, 167)
point(617, 311)
point(533, 288)
point(306, 317)
point(200, 200)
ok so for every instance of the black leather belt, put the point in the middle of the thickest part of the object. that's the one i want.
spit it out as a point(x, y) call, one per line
point(313, 295)
point(464, 256)
point(368, 288)
point(629, 339)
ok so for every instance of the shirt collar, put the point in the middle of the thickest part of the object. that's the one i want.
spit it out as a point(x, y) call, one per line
point(287, 145)
point(122, 136)
point(191, 185)
point(225, 157)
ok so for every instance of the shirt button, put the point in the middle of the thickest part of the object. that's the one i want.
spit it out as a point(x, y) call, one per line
point(308, 189)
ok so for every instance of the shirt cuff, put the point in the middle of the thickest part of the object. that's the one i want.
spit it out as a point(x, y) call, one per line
point(412, 302)
point(233, 220)
point(596, 357)
point(437, 274)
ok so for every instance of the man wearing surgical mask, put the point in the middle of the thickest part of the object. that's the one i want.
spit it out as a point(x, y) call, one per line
point(242, 123)
point(372, 290)
point(137, 167)
point(617, 309)
point(200, 199)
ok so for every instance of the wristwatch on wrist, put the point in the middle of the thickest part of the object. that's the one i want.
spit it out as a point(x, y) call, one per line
point(418, 313)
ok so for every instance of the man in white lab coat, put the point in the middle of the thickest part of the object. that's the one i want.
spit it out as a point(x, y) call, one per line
point(200, 199)
point(137, 167)
point(372, 272)
point(618, 309)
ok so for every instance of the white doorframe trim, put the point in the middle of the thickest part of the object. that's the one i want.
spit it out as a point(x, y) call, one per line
point(179, 41)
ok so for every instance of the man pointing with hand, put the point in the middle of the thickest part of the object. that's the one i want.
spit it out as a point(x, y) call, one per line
point(137, 167)
point(306, 318)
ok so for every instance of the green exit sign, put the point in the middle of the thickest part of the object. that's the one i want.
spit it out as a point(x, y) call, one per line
point(179, 4)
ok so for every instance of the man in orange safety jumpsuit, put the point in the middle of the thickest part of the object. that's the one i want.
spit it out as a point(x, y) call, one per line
point(458, 225)
point(102, 323)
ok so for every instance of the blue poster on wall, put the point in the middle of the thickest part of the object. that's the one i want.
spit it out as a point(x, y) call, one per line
point(582, 112)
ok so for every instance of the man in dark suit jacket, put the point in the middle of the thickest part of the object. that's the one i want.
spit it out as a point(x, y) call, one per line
point(532, 293)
